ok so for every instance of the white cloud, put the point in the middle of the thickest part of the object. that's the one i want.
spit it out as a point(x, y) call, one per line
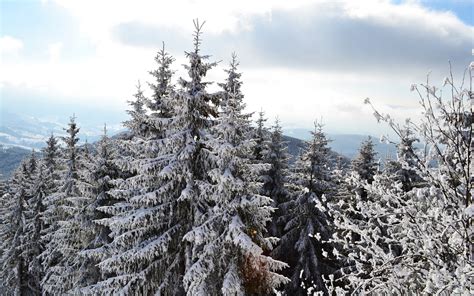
point(10, 45)
point(54, 50)
point(296, 94)
point(98, 17)
point(343, 35)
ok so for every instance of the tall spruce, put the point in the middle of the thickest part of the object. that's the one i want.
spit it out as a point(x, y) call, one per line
point(51, 157)
point(144, 256)
point(365, 163)
point(308, 225)
point(261, 137)
point(26, 242)
point(3, 186)
point(276, 177)
point(186, 173)
point(66, 237)
point(53, 172)
point(14, 272)
point(101, 171)
point(137, 124)
point(230, 238)
point(42, 187)
point(162, 86)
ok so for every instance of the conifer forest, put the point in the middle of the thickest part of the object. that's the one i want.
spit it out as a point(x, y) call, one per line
point(197, 197)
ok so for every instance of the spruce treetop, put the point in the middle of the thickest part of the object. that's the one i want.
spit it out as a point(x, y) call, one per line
point(365, 163)
point(163, 84)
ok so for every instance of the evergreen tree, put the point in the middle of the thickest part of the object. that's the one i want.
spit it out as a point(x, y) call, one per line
point(404, 168)
point(137, 124)
point(65, 237)
point(101, 171)
point(52, 173)
point(4, 198)
point(365, 164)
point(51, 158)
point(131, 147)
point(261, 137)
point(163, 86)
point(32, 166)
point(14, 273)
point(229, 240)
point(85, 157)
point(145, 255)
point(43, 186)
point(276, 177)
point(186, 173)
point(3, 186)
point(23, 245)
point(351, 193)
point(308, 225)
point(41, 214)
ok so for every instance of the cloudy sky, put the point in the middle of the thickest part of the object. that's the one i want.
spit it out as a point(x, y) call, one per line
point(301, 60)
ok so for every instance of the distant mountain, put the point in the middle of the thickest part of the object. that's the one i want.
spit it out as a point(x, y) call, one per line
point(21, 133)
point(347, 144)
point(25, 131)
point(296, 146)
point(10, 158)
point(29, 132)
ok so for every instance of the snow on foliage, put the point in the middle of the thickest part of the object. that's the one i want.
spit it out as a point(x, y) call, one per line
point(305, 215)
point(402, 239)
point(233, 230)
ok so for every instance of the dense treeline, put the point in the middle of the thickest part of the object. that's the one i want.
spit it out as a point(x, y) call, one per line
point(195, 199)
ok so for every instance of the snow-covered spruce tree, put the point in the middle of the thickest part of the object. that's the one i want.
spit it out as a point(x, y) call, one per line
point(403, 168)
point(85, 153)
point(14, 272)
point(130, 146)
point(4, 199)
point(100, 172)
point(53, 171)
point(3, 186)
point(29, 238)
point(260, 137)
point(65, 237)
point(52, 157)
point(187, 171)
point(143, 126)
point(363, 169)
point(4, 189)
point(275, 178)
point(137, 124)
point(228, 240)
point(146, 254)
point(340, 173)
point(365, 163)
point(32, 167)
point(418, 242)
point(35, 225)
point(162, 88)
point(308, 224)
